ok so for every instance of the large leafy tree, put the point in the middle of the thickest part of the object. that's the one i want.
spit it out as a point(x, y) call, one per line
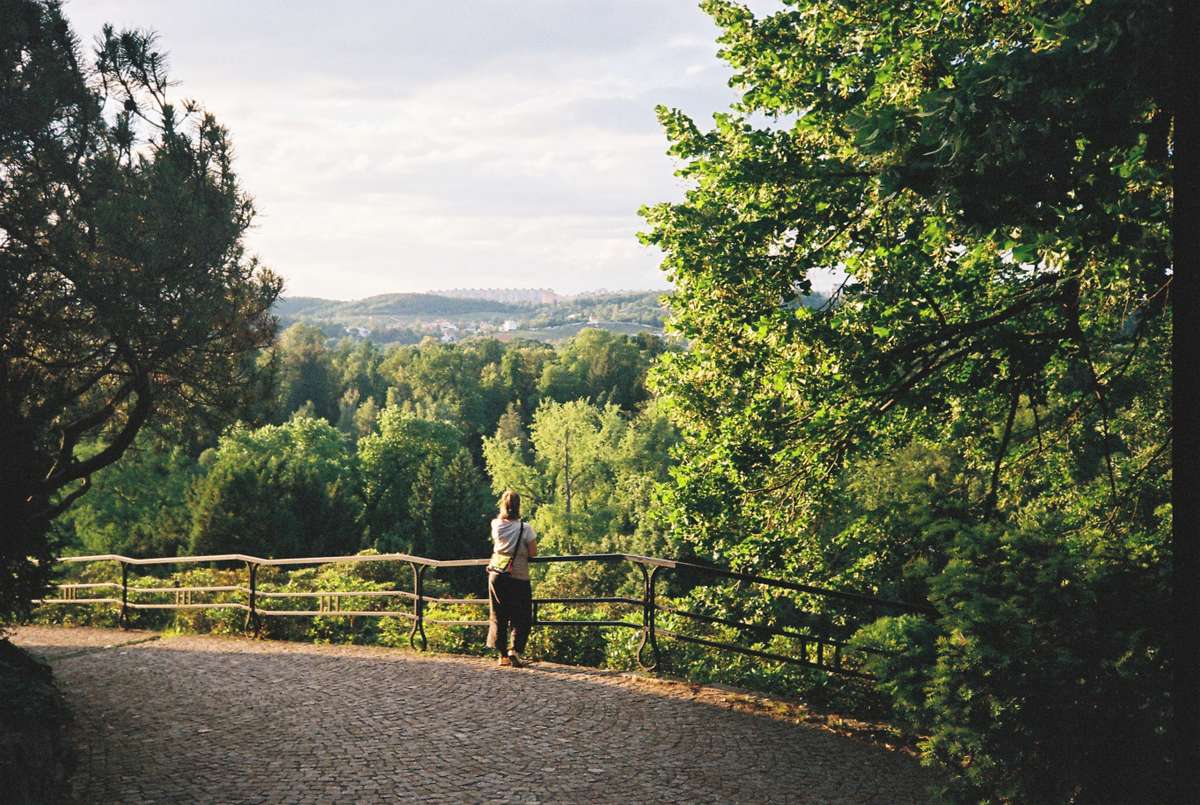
point(422, 491)
point(993, 181)
point(306, 374)
point(125, 292)
point(589, 474)
point(281, 491)
point(600, 366)
point(438, 382)
point(137, 506)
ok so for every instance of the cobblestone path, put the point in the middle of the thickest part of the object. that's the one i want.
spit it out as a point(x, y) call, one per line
point(207, 719)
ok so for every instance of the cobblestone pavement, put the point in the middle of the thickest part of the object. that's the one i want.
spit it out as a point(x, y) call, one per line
point(209, 719)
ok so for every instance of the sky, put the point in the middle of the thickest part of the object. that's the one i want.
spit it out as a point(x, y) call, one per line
point(419, 146)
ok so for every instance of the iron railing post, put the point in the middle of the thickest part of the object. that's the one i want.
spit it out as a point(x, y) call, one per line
point(418, 607)
point(124, 596)
point(649, 610)
point(252, 620)
point(653, 607)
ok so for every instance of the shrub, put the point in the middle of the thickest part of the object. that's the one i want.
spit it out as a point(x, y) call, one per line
point(33, 754)
point(572, 645)
point(1038, 683)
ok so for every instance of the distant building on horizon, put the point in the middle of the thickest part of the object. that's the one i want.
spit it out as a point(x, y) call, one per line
point(512, 296)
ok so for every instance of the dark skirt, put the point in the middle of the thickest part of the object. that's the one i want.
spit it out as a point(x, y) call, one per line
point(510, 606)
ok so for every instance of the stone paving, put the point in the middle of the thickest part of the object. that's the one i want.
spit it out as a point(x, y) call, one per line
point(208, 719)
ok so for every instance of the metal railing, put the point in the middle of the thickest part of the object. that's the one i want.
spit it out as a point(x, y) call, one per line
point(819, 647)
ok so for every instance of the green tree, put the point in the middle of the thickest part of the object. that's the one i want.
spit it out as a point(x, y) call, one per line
point(365, 418)
point(347, 408)
point(138, 506)
point(306, 374)
point(510, 427)
point(589, 474)
point(438, 381)
point(994, 183)
point(520, 370)
point(599, 366)
point(125, 292)
point(420, 496)
point(356, 365)
point(279, 491)
point(461, 510)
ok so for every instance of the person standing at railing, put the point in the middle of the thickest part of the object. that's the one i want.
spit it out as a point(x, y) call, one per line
point(510, 594)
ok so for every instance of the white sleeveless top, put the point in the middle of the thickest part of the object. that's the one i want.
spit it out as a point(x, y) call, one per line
point(504, 540)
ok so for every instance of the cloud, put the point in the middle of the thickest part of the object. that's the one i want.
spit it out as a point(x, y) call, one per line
point(427, 146)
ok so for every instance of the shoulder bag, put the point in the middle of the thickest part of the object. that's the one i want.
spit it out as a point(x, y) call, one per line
point(502, 563)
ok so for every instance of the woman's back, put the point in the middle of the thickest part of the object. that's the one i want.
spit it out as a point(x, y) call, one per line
point(510, 595)
point(504, 540)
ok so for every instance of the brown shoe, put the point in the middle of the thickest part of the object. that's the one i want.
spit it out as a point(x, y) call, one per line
point(505, 662)
point(515, 659)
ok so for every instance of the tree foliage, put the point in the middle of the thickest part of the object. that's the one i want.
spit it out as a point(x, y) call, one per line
point(589, 474)
point(423, 492)
point(994, 182)
point(125, 292)
point(278, 491)
point(306, 374)
point(138, 506)
point(602, 367)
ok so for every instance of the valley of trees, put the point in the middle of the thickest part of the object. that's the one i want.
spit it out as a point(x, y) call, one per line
point(399, 450)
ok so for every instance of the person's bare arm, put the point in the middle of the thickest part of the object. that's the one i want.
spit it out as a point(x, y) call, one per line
point(532, 548)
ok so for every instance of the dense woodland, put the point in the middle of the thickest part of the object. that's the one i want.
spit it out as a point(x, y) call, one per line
point(978, 419)
point(399, 450)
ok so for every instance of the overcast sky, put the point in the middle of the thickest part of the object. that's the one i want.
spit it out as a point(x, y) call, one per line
point(415, 146)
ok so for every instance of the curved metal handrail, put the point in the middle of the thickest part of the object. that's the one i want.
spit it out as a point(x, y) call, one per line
point(827, 654)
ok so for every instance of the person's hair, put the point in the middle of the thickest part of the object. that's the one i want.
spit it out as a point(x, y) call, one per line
point(510, 505)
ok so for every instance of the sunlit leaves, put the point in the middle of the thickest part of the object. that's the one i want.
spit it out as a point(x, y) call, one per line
point(993, 179)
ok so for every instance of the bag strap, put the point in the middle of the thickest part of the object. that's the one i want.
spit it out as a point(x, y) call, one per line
point(520, 534)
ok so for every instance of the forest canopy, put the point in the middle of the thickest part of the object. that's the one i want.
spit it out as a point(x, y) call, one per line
point(352, 447)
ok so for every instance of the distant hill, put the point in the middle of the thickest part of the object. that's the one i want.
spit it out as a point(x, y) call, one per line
point(421, 304)
point(408, 317)
point(391, 304)
point(293, 306)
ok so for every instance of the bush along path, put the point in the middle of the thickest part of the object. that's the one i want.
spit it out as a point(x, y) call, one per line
point(34, 758)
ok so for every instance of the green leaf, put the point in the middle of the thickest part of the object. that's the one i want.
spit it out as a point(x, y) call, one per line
point(1025, 253)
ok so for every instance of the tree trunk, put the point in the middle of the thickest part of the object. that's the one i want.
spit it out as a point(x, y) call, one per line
point(1186, 445)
